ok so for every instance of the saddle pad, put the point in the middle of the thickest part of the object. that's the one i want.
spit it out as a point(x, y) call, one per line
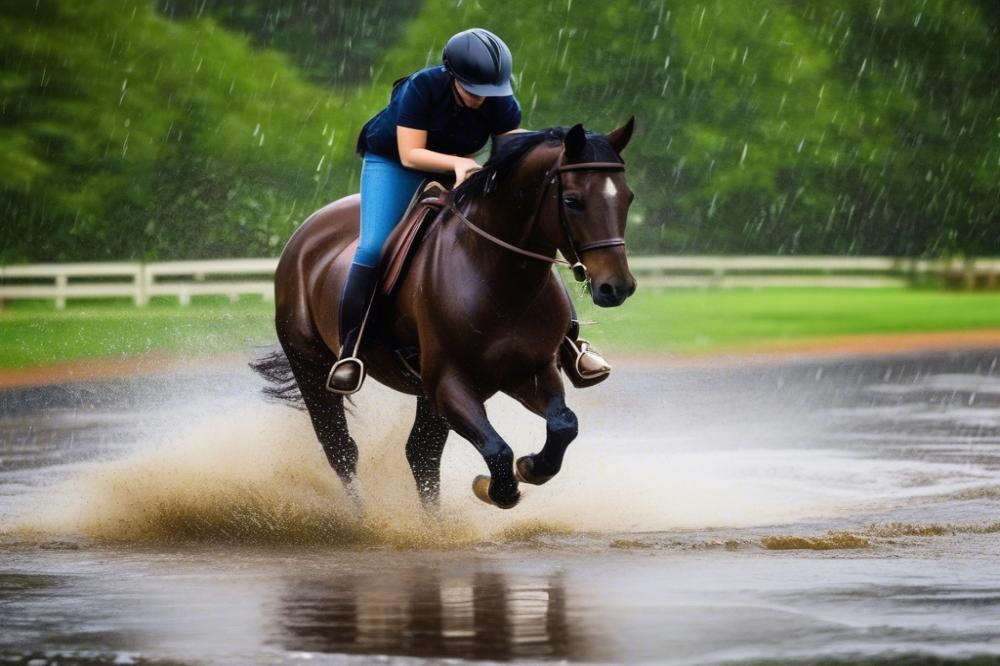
point(406, 236)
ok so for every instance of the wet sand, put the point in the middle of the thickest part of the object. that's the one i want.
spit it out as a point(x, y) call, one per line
point(799, 511)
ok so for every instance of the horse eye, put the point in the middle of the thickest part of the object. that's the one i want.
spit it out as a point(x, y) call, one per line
point(573, 202)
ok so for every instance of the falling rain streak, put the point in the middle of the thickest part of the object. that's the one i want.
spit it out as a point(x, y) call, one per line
point(843, 102)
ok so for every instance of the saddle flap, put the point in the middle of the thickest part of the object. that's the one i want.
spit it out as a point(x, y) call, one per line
point(405, 238)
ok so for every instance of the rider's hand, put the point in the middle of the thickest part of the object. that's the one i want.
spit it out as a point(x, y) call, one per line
point(463, 167)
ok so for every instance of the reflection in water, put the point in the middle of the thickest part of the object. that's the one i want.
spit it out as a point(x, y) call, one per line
point(424, 614)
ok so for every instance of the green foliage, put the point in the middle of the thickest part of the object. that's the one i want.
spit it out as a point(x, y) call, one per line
point(212, 127)
point(333, 42)
point(126, 135)
point(770, 126)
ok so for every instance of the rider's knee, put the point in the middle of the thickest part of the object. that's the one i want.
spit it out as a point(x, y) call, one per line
point(367, 256)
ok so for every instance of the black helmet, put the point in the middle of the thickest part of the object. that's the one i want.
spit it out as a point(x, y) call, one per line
point(480, 61)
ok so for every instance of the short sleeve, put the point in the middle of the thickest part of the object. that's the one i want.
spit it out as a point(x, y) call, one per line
point(415, 104)
point(506, 115)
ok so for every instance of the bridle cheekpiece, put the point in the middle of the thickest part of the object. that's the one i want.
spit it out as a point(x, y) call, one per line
point(554, 175)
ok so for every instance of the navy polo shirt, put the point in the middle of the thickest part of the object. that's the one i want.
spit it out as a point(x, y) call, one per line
point(425, 101)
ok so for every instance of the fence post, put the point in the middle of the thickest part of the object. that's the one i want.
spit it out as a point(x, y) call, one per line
point(970, 274)
point(140, 298)
point(61, 281)
point(148, 278)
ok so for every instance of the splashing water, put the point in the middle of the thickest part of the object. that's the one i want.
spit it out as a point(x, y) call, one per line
point(256, 474)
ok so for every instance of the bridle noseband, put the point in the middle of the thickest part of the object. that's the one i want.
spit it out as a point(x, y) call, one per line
point(554, 175)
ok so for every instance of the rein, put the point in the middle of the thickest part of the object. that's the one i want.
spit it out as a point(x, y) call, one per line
point(554, 174)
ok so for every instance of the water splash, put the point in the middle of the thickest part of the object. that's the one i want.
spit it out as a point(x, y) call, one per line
point(256, 474)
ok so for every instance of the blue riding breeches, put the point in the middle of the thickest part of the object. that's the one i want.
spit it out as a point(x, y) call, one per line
point(386, 189)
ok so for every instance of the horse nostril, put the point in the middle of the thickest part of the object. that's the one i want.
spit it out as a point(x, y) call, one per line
point(606, 289)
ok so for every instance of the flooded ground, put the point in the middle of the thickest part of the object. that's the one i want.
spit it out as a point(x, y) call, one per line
point(794, 512)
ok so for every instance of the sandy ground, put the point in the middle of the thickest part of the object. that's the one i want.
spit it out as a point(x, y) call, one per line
point(761, 352)
point(108, 368)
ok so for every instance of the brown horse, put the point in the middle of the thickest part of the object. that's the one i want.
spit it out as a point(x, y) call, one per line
point(479, 303)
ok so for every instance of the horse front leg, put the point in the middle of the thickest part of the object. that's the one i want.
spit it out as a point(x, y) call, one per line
point(543, 394)
point(457, 401)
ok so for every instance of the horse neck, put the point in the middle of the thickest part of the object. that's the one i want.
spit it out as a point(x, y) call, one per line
point(512, 213)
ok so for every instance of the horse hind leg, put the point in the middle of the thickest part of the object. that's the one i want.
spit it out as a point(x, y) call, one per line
point(326, 410)
point(423, 452)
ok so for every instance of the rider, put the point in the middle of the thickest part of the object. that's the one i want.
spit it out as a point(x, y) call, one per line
point(436, 118)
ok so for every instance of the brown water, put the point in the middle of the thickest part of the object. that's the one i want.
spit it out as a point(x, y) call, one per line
point(795, 512)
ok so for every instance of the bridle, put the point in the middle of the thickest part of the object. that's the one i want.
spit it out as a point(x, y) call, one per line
point(554, 175)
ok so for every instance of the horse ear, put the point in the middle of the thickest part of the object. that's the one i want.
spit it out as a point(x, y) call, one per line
point(619, 138)
point(575, 140)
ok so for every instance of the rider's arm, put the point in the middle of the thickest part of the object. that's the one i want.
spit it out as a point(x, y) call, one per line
point(414, 154)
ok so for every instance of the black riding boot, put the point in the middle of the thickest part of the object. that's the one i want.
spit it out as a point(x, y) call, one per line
point(348, 373)
point(582, 364)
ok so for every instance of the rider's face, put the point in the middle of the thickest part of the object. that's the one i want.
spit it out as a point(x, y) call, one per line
point(468, 99)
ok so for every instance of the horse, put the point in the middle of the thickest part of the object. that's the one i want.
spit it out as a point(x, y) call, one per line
point(486, 313)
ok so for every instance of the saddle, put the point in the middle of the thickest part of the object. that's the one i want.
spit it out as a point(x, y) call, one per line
point(423, 209)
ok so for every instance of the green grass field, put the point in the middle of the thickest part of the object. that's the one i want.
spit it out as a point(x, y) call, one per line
point(35, 333)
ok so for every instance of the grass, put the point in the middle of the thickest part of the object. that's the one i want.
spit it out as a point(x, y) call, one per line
point(35, 333)
point(695, 320)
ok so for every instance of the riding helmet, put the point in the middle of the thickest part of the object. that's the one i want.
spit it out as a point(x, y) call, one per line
point(480, 61)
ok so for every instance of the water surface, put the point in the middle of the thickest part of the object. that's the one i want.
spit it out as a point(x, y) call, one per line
point(797, 512)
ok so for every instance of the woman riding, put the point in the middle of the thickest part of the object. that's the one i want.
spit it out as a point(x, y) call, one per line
point(435, 120)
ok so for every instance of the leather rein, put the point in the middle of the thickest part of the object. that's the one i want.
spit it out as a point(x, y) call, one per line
point(554, 175)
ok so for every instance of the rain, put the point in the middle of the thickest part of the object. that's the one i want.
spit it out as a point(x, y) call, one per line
point(793, 459)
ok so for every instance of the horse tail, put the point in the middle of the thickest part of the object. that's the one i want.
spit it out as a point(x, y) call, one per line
point(281, 387)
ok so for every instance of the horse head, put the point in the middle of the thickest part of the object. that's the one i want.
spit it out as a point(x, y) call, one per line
point(592, 207)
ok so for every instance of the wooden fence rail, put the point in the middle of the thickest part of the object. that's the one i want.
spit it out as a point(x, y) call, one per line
point(236, 277)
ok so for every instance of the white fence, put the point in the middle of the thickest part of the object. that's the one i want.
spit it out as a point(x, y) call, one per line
point(236, 277)
point(812, 271)
point(140, 282)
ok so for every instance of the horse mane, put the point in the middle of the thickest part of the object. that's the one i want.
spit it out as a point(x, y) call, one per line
point(505, 157)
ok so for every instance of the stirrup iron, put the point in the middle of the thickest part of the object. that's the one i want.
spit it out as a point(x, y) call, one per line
point(340, 365)
point(575, 355)
point(584, 351)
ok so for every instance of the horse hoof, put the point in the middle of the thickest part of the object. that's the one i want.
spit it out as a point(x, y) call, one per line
point(481, 489)
point(524, 470)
